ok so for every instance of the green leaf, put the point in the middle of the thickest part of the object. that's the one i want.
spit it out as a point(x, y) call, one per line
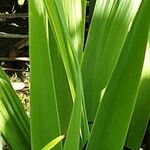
point(45, 123)
point(115, 110)
point(70, 61)
point(75, 17)
point(108, 30)
point(13, 119)
point(141, 113)
point(63, 93)
point(53, 143)
point(3, 75)
point(73, 134)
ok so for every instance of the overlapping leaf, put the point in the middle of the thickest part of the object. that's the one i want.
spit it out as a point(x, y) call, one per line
point(116, 108)
point(53, 143)
point(63, 93)
point(45, 124)
point(71, 64)
point(75, 18)
point(57, 92)
point(141, 113)
point(13, 120)
point(109, 27)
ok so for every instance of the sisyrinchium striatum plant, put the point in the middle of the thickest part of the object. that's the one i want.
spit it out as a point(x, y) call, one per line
point(86, 93)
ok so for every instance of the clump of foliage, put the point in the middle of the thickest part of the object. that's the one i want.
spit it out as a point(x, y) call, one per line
point(92, 94)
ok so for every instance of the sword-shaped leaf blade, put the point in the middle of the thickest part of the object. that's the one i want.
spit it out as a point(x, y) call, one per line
point(117, 105)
